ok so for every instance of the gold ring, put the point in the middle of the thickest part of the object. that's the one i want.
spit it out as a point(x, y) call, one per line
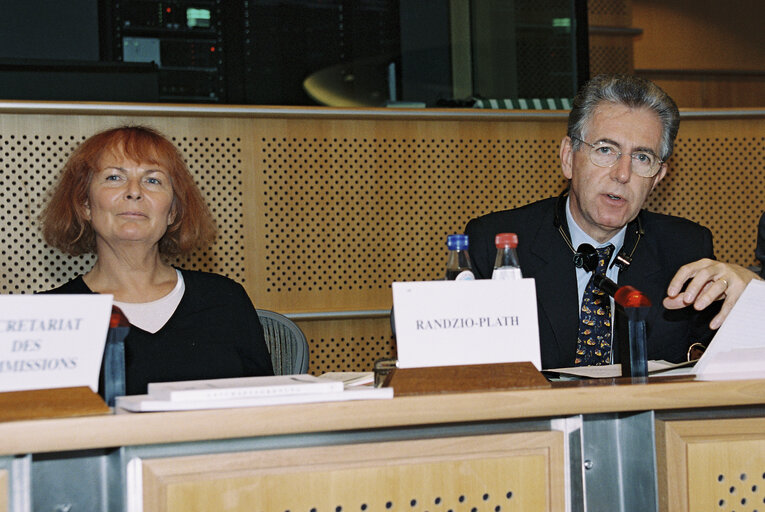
point(726, 283)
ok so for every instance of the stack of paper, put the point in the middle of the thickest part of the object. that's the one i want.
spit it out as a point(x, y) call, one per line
point(738, 349)
point(245, 392)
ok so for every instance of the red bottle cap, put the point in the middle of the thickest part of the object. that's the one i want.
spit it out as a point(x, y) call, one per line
point(506, 240)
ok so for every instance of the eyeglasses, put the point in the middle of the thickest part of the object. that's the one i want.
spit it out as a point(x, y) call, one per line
point(605, 154)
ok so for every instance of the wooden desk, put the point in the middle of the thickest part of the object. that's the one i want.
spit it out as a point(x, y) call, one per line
point(582, 446)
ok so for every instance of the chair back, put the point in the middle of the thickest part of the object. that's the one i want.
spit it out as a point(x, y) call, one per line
point(286, 342)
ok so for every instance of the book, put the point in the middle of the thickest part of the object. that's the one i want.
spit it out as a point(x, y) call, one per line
point(241, 387)
point(350, 379)
point(148, 403)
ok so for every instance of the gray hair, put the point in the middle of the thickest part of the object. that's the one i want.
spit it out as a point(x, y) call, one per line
point(628, 90)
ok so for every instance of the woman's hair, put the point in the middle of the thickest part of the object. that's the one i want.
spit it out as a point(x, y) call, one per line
point(631, 91)
point(64, 220)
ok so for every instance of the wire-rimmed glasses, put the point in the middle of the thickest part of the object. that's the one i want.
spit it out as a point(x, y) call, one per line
point(605, 154)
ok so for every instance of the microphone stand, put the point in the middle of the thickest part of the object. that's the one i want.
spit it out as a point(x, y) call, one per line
point(634, 354)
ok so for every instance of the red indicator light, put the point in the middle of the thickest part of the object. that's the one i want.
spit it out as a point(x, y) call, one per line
point(212, 48)
point(168, 10)
point(118, 318)
point(629, 297)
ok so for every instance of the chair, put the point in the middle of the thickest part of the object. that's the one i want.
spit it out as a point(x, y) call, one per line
point(286, 342)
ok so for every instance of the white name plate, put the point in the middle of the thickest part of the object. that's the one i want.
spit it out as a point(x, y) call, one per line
point(52, 341)
point(444, 323)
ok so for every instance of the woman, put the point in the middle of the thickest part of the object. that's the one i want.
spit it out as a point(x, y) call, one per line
point(126, 195)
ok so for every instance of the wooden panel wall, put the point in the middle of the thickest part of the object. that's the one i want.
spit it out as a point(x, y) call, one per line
point(320, 210)
point(705, 53)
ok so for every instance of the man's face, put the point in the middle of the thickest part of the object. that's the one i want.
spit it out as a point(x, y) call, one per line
point(605, 199)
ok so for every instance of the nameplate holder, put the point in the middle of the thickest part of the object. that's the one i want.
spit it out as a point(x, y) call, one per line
point(465, 378)
point(50, 403)
point(446, 323)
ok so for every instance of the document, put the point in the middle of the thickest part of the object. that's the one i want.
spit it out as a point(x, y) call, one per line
point(242, 387)
point(147, 403)
point(738, 349)
point(610, 371)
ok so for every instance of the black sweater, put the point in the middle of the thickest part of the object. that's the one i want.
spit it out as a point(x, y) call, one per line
point(214, 333)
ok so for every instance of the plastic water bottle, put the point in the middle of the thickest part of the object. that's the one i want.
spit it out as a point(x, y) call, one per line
point(458, 266)
point(506, 265)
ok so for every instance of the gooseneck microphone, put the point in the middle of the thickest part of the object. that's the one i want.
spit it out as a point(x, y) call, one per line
point(633, 350)
point(634, 357)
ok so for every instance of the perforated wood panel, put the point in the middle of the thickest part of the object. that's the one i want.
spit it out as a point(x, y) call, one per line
point(716, 178)
point(711, 465)
point(512, 472)
point(346, 213)
point(610, 52)
point(727, 476)
point(351, 344)
point(615, 13)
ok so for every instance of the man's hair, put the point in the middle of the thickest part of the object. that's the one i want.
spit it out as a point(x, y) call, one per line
point(64, 219)
point(628, 90)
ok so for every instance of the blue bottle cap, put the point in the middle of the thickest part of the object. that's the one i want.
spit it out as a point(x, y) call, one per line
point(457, 242)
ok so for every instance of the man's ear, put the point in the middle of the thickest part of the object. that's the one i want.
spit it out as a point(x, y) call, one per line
point(567, 157)
point(659, 176)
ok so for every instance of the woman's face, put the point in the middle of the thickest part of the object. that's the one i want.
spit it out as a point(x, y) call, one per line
point(129, 202)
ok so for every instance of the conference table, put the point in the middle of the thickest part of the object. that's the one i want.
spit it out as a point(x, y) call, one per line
point(664, 443)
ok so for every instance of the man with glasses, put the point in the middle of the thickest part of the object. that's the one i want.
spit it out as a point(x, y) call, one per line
point(621, 132)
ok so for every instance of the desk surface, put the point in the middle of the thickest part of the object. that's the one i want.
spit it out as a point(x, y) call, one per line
point(565, 398)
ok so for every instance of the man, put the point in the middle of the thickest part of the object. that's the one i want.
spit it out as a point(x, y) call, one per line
point(621, 132)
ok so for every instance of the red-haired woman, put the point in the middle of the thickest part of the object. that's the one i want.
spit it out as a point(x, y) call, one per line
point(126, 195)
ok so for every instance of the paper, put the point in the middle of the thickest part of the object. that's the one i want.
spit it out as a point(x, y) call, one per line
point(350, 379)
point(146, 403)
point(738, 349)
point(442, 323)
point(241, 387)
point(612, 370)
point(52, 341)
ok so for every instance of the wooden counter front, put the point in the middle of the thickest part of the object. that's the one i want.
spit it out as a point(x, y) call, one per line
point(566, 398)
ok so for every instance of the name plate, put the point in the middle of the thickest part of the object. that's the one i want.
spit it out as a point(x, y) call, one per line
point(444, 323)
point(52, 341)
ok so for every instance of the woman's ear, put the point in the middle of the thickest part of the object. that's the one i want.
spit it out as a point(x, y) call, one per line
point(86, 209)
point(172, 213)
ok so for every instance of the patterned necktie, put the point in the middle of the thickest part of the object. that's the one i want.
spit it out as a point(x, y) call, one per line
point(593, 347)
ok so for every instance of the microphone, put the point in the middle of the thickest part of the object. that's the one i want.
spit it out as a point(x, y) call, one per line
point(634, 352)
point(634, 356)
point(586, 257)
point(113, 364)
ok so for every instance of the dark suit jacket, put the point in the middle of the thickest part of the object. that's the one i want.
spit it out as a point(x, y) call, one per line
point(669, 242)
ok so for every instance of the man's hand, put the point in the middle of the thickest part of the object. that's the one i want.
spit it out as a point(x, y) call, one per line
point(710, 280)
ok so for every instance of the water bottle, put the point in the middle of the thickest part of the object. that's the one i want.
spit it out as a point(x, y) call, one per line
point(458, 266)
point(506, 265)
